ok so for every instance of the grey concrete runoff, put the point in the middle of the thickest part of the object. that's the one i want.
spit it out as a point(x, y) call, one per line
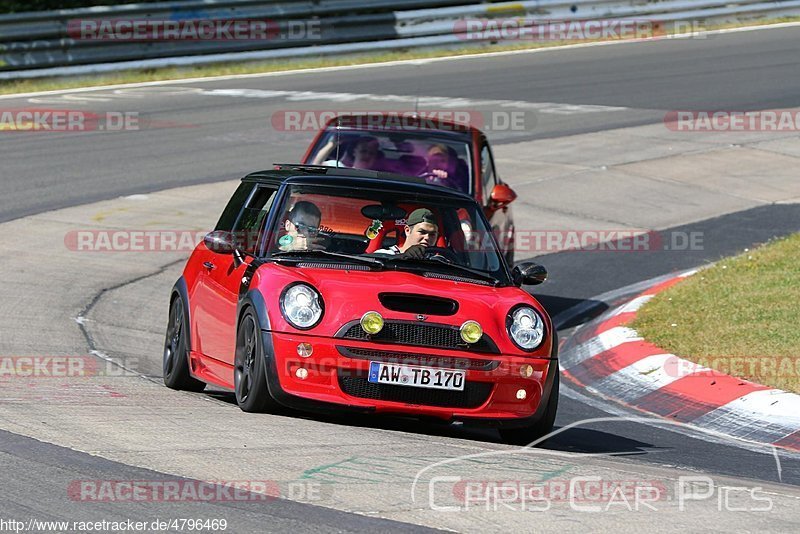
point(119, 298)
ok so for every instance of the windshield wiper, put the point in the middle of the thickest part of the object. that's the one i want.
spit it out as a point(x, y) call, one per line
point(468, 270)
point(299, 254)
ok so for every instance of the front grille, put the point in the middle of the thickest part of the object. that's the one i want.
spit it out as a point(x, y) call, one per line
point(419, 334)
point(409, 358)
point(474, 394)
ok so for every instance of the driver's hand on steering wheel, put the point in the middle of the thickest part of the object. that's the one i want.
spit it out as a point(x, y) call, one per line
point(414, 252)
point(439, 174)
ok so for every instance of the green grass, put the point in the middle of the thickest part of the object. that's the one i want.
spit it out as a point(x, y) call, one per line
point(740, 317)
point(173, 73)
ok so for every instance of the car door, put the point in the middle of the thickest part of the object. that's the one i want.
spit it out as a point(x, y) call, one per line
point(217, 292)
point(498, 216)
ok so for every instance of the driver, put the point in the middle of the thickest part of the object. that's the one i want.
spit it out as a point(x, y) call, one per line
point(302, 228)
point(442, 168)
point(422, 231)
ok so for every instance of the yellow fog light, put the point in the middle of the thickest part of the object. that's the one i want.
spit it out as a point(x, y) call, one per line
point(471, 332)
point(521, 394)
point(526, 371)
point(372, 322)
point(301, 373)
point(304, 350)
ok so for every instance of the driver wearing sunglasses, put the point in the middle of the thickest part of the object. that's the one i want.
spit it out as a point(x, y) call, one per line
point(302, 228)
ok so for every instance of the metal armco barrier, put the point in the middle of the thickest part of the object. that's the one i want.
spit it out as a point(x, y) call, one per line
point(51, 43)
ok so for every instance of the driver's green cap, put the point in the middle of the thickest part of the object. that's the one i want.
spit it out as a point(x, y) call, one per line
point(421, 215)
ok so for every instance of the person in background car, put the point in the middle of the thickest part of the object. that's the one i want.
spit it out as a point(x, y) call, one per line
point(364, 154)
point(442, 168)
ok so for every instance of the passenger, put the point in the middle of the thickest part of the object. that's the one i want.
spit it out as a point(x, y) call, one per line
point(363, 154)
point(421, 232)
point(302, 228)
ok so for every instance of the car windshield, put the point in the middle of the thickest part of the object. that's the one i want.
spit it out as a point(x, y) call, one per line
point(371, 227)
point(441, 160)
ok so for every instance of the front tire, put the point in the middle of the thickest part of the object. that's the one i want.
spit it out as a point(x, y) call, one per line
point(249, 371)
point(176, 351)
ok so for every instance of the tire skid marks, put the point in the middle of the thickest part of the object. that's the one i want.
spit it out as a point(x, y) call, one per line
point(422, 101)
point(553, 108)
point(131, 93)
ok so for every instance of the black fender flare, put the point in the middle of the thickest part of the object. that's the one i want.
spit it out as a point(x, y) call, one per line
point(180, 289)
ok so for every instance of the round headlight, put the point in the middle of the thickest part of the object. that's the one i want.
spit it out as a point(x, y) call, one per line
point(301, 306)
point(372, 322)
point(526, 328)
point(471, 332)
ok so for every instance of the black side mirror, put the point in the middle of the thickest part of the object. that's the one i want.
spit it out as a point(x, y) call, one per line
point(223, 242)
point(529, 273)
point(220, 241)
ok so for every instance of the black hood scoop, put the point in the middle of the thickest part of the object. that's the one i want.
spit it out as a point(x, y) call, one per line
point(424, 304)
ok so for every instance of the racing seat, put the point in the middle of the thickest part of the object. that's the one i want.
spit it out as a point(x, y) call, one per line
point(411, 165)
point(400, 234)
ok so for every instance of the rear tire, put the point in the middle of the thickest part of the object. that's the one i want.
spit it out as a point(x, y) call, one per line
point(542, 427)
point(176, 351)
point(249, 370)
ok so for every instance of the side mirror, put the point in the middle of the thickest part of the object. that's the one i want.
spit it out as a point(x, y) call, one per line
point(223, 242)
point(502, 195)
point(529, 273)
point(220, 241)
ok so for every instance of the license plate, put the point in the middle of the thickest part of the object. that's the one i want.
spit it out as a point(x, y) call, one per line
point(421, 377)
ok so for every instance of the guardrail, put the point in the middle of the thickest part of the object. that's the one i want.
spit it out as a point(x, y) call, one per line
point(53, 43)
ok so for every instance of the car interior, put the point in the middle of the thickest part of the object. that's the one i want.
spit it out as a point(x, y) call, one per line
point(397, 154)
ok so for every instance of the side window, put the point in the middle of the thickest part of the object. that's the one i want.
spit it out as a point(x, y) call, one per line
point(234, 207)
point(248, 227)
point(487, 172)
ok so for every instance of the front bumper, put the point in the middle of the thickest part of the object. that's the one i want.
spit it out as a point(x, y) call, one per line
point(337, 381)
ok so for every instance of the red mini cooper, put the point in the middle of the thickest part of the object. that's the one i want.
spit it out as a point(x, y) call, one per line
point(339, 290)
point(444, 152)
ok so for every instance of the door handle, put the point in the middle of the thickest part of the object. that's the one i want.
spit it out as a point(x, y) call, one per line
point(208, 265)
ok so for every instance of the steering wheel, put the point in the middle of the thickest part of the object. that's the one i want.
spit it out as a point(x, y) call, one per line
point(430, 175)
point(440, 254)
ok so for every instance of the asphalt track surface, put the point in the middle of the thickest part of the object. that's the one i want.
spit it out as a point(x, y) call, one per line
point(752, 70)
point(737, 71)
point(35, 468)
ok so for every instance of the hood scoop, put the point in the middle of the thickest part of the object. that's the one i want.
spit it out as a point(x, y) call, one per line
point(425, 304)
